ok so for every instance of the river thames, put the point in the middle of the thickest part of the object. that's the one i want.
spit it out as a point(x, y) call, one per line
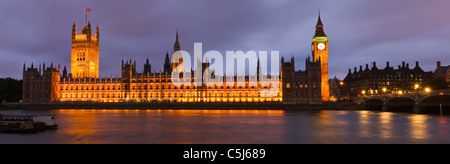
point(234, 127)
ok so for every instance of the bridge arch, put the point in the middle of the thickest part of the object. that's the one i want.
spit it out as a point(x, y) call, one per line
point(373, 104)
point(431, 104)
point(400, 104)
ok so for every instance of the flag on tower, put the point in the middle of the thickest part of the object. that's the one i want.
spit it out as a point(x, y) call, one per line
point(88, 10)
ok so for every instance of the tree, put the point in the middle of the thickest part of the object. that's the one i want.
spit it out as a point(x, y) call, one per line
point(10, 89)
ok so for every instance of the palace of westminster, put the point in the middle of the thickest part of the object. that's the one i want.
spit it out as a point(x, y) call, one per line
point(43, 84)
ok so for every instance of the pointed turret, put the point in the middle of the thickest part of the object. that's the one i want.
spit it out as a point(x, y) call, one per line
point(65, 72)
point(176, 46)
point(319, 28)
point(74, 30)
point(83, 30)
point(258, 67)
point(88, 30)
point(167, 66)
point(97, 33)
point(147, 67)
point(319, 22)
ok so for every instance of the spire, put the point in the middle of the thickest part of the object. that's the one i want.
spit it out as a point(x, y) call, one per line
point(83, 30)
point(74, 30)
point(319, 28)
point(319, 22)
point(65, 72)
point(97, 33)
point(177, 37)
point(258, 69)
point(74, 27)
point(167, 66)
point(176, 46)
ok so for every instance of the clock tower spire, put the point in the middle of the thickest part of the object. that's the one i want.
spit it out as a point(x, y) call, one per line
point(319, 47)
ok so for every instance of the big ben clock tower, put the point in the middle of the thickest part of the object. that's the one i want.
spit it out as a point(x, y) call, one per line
point(319, 48)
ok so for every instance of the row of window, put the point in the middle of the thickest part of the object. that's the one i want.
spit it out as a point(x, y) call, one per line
point(93, 87)
point(139, 87)
point(173, 95)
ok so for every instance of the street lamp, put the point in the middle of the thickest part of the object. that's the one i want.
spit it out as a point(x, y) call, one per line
point(384, 90)
point(427, 89)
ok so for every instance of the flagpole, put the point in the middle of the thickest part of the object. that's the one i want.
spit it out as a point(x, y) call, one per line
point(86, 16)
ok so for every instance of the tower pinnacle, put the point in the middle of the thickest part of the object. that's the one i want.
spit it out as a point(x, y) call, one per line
point(319, 22)
point(176, 46)
point(319, 28)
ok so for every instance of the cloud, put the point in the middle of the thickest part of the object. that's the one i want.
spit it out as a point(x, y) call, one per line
point(359, 31)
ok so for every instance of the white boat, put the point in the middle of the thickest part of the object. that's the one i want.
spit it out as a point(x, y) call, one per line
point(50, 121)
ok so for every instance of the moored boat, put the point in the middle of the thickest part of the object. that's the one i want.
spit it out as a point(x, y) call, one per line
point(26, 123)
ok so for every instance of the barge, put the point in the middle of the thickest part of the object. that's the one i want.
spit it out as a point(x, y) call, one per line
point(26, 123)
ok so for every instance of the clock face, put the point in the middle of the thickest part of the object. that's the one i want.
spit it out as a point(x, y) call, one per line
point(321, 46)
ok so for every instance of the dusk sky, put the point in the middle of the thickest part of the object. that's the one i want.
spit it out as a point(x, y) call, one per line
point(359, 32)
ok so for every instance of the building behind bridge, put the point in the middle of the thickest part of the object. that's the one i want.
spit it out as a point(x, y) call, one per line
point(387, 80)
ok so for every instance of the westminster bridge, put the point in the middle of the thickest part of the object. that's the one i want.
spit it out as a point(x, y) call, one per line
point(433, 102)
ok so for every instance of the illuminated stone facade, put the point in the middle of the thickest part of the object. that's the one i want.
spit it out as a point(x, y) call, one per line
point(319, 47)
point(84, 85)
point(85, 52)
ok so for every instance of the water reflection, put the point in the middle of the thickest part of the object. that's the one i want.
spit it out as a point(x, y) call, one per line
point(168, 126)
point(364, 124)
point(419, 127)
point(386, 125)
point(236, 127)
